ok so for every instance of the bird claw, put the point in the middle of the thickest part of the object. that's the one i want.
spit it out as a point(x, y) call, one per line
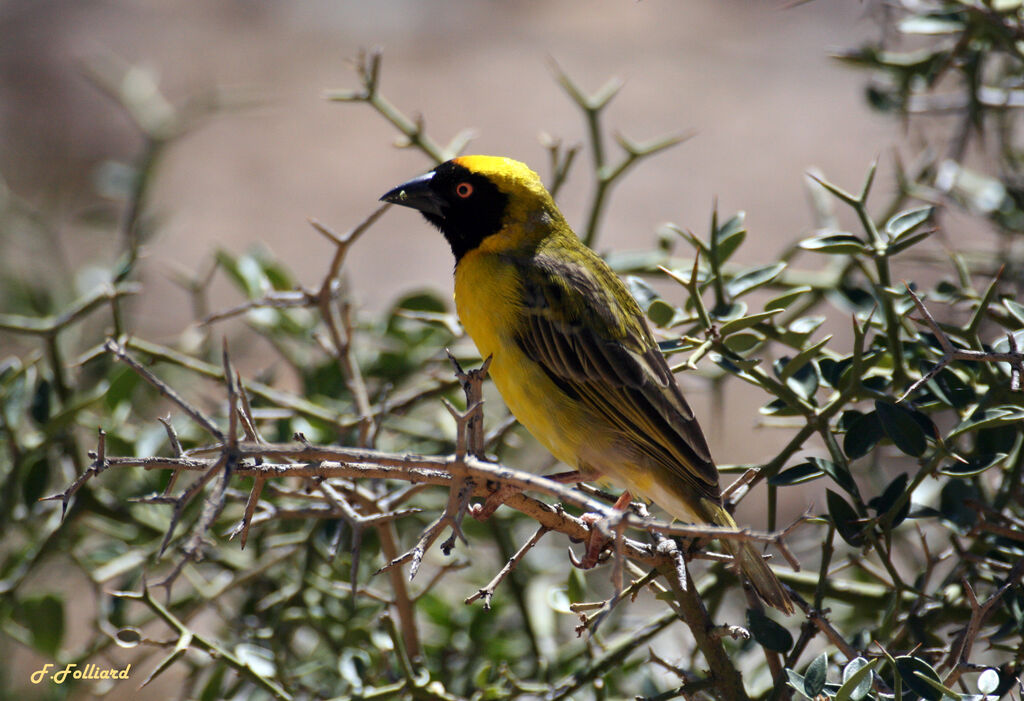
point(591, 558)
point(482, 512)
point(596, 544)
point(599, 538)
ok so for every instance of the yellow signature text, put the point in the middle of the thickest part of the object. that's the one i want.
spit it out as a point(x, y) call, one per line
point(73, 671)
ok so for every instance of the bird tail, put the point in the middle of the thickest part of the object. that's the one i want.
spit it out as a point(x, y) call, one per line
point(753, 566)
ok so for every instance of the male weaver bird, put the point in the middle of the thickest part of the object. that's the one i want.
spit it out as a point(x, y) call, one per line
point(572, 355)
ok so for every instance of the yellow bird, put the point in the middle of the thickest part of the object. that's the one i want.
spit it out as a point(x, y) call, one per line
point(572, 354)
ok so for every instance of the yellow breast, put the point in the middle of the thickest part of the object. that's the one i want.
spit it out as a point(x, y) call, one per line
point(487, 298)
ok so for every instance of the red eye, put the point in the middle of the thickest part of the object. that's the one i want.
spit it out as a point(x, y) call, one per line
point(463, 190)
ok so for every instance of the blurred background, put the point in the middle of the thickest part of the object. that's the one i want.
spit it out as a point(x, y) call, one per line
point(252, 174)
point(731, 71)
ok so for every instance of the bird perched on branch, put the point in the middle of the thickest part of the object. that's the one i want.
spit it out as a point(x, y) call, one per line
point(572, 354)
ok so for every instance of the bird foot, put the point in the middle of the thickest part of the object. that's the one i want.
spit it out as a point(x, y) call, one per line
point(482, 512)
point(598, 541)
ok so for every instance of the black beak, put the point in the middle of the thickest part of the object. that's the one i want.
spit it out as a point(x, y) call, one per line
point(417, 194)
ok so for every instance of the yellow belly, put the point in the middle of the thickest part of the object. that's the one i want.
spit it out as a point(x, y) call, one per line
point(487, 297)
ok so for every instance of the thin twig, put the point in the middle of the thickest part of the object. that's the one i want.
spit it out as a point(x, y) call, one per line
point(488, 591)
point(163, 388)
point(950, 352)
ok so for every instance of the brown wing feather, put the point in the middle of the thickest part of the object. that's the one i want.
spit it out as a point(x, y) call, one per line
point(589, 336)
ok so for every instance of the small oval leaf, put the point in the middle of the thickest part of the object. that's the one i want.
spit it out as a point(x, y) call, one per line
point(840, 474)
point(901, 428)
point(844, 518)
point(751, 279)
point(743, 341)
point(991, 417)
point(785, 300)
point(728, 237)
point(128, 637)
point(862, 435)
point(913, 671)
point(798, 474)
point(746, 322)
point(888, 498)
point(905, 222)
point(975, 465)
point(834, 244)
point(661, 312)
point(814, 677)
point(767, 632)
point(856, 680)
point(988, 681)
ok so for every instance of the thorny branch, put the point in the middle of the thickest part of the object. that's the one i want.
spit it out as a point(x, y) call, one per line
point(950, 352)
point(335, 470)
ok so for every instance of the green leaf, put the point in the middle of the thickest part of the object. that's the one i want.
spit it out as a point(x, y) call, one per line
point(728, 237)
point(804, 380)
point(839, 473)
point(212, 689)
point(44, 618)
point(902, 428)
point(676, 345)
point(911, 671)
point(767, 632)
point(1016, 310)
point(885, 501)
point(785, 300)
point(862, 436)
point(780, 407)
point(37, 476)
point(975, 465)
point(906, 221)
point(806, 325)
point(853, 298)
point(835, 244)
point(988, 418)
point(278, 276)
point(746, 322)
point(908, 241)
point(798, 474)
point(988, 681)
point(641, 290)
point(844, 518)
point(814, 677)
point(795, 680)
point(929, 25)
point(955, 503)
point(801, 358)
point(832, 370)
point(576, 587)
point(931, 680)
point(950, 389)
point(743, 341)
point(422, 301)
point(752, 279)
point(123, 381)
point(245, 271)
point(39, 408)
point(997, 439)
point(1002, 344)
point(856, 680)
point(661, 312)
point(724, 313)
